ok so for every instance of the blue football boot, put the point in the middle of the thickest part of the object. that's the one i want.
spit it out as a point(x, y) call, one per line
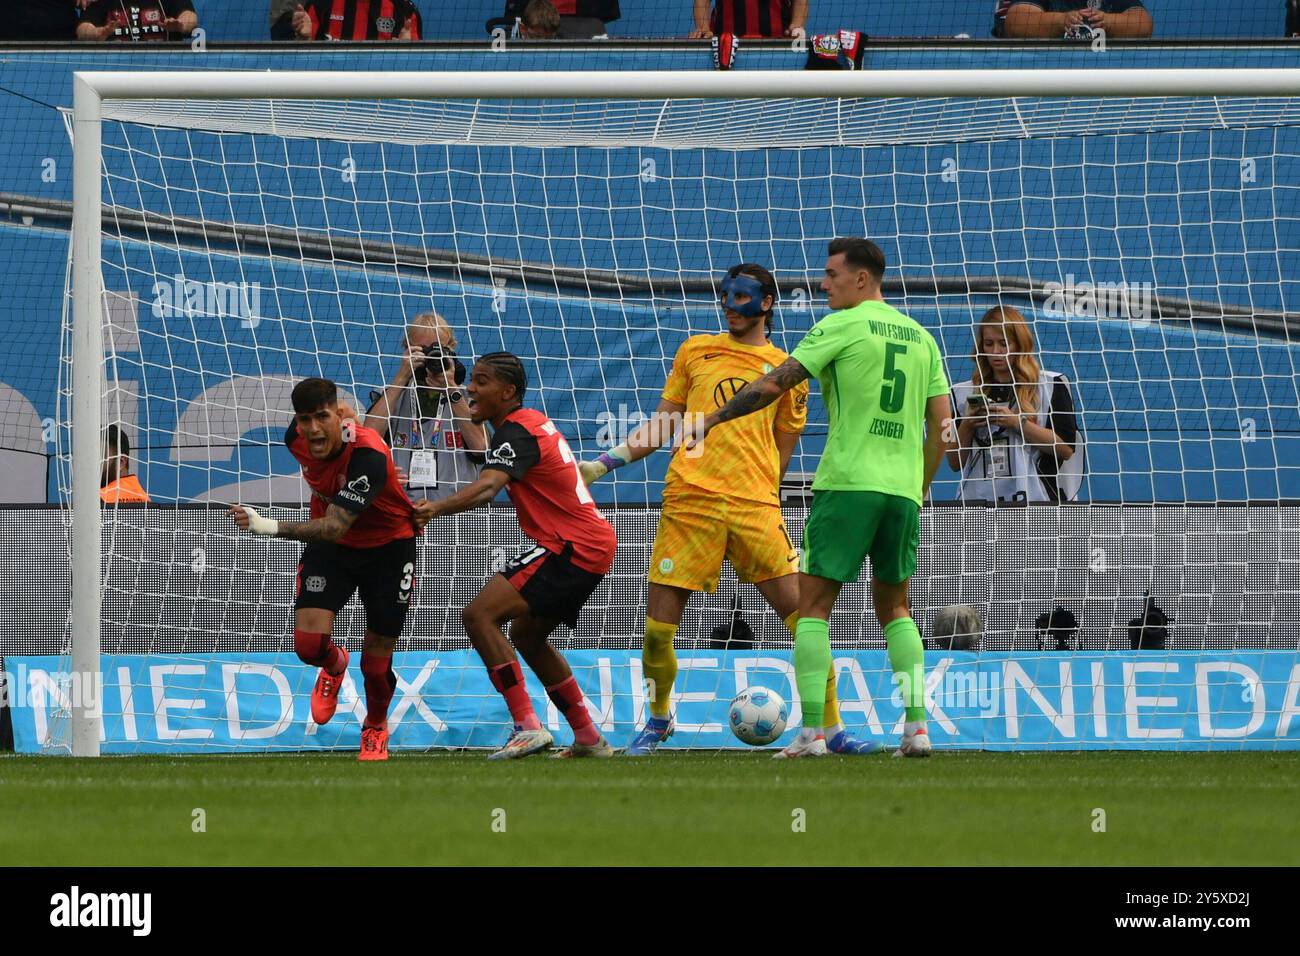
point(843, 743)
point(655, 732)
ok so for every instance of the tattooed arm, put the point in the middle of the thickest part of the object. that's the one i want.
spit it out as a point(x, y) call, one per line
point(761, 393)
point(754, 396)
point(331, 527)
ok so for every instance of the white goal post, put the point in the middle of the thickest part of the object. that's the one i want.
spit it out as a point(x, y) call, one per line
point(97, 94)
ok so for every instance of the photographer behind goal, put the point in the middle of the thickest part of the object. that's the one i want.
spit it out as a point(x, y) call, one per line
point(1018, 436)
point(424, 415)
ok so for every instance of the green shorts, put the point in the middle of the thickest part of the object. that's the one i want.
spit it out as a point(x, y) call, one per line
point(845, 526)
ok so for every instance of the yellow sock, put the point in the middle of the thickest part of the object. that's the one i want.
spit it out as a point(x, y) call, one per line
point(832, 714)
point(659, 661)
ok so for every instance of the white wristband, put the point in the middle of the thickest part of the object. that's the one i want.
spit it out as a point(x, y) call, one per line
point(259, 525)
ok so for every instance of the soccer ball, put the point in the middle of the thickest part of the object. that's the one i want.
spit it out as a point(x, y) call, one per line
point(758, 716)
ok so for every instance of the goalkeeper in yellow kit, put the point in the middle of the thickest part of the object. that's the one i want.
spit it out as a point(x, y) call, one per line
point(724, 504)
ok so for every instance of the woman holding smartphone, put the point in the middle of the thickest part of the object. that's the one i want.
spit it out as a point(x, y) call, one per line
point(1017, 433)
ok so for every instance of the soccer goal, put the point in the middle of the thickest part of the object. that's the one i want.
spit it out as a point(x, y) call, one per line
point(235, 232)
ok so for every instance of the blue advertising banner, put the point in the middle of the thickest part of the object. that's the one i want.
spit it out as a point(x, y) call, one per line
point(1038, 701)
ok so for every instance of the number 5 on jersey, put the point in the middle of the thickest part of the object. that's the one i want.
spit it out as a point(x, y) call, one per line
point(895, 381)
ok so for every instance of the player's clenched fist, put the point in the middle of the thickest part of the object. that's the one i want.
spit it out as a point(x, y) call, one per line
point(424, 512)
point(246, 519)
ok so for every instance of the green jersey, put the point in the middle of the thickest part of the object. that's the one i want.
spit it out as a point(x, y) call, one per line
point(878, 369)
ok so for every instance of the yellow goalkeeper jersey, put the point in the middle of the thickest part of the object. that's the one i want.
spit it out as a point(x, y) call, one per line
point(739, 457)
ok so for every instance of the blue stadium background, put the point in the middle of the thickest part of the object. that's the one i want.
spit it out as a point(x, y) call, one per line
point(1162, 405)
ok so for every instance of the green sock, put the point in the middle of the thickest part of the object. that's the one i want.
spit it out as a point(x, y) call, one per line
point(812, 659)
point(907, 657)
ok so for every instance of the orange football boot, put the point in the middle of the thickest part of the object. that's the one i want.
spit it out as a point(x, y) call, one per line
point(325, 695)
point(374, 743)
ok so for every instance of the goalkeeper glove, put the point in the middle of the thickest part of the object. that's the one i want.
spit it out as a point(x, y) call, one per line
point(259, 525)
point(602, 466)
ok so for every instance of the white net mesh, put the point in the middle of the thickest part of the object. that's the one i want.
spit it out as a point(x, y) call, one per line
point(1152, 243)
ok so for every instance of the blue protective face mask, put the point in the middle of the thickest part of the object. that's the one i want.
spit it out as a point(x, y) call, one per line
point(745, 285)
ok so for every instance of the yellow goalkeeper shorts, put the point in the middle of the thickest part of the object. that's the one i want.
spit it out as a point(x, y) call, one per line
point(698, 528)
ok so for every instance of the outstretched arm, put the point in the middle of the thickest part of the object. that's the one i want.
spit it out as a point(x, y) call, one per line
point(760, 393)
point(646, 438)
point(481, 491)
point(757, 395)
point(332, 526)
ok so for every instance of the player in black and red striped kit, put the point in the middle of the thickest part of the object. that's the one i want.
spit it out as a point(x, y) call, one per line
point(360, 535)
point(546, 585)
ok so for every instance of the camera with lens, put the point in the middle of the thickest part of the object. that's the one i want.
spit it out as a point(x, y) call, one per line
point(437, 357)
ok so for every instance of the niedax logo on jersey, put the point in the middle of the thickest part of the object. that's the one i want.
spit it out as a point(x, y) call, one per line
point(503, 454)
point(75, 909)
point(356, 489)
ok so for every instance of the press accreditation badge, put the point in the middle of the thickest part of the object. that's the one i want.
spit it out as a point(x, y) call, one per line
point(999, 459)
point(423, 472)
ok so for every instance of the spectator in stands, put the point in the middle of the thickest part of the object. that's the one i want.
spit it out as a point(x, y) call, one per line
point(577, 19)
point(357, 20)
point(1017, 434)
point(749, 18)
point(540, 21)
point(116, 483)
point(282, 19)
point(137, 21)
point(41, 20)
point(423, 413)
point(1059, 18)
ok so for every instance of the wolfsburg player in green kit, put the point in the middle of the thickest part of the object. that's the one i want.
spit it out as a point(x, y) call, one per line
point(883, 383)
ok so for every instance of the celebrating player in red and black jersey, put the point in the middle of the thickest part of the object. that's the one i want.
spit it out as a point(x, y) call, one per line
point(361, 535)
point(546, 585)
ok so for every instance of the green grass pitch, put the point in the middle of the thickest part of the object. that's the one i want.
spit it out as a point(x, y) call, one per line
point(673, 809)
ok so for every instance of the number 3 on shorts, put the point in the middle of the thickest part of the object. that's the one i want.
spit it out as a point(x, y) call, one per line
point(404, 586)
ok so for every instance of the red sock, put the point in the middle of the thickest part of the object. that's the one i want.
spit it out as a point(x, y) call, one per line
point(318, 650)
point(568, 698)
point(509, 680)
point(335, 662)
point(380, 684)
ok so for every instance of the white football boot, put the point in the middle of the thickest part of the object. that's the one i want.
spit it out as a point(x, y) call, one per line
point(915, 743)
point(808, 743)
point(523, 743)
point(600, 748)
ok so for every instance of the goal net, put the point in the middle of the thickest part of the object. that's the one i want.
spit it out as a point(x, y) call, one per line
point(252, 235)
